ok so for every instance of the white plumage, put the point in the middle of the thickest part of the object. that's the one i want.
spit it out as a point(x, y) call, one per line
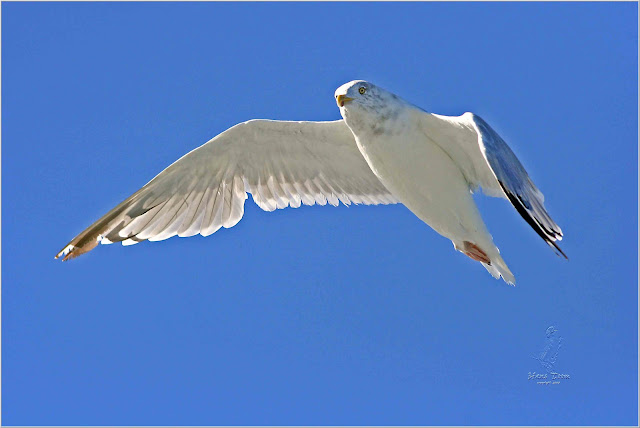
point(384, 151)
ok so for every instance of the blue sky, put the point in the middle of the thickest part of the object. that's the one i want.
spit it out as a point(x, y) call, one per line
point(316, 315)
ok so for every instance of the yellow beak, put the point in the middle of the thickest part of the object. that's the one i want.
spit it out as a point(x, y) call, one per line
point(342, 100)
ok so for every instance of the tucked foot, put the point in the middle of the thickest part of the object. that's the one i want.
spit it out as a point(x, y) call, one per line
point(474, 252)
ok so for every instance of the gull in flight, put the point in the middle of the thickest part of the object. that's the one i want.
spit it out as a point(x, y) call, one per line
point(383, 151)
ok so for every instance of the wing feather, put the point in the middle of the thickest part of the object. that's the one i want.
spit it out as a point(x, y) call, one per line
point(516, 183)
point(280, 163)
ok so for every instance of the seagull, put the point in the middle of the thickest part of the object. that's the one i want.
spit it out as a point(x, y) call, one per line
point(383, 151)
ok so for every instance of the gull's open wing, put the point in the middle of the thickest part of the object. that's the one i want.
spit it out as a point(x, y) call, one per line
point(487, 161)
point(280, 163)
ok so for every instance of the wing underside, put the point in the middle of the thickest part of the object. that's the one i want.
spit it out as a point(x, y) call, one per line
point(280, 163)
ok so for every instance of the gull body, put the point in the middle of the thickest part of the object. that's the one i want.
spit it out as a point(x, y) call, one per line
point(383, 151)
point(399, 150)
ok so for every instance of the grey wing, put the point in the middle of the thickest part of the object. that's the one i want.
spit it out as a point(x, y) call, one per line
point(280, 163)
point(486, 161)
point(516, 183)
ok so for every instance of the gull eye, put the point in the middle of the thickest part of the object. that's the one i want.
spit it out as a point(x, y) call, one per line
point(362, 90)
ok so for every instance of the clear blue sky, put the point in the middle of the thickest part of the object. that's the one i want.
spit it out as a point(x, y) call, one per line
point(316, 315)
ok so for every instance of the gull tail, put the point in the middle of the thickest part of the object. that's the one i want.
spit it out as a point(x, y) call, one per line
point(494, 263)
point(498, 268)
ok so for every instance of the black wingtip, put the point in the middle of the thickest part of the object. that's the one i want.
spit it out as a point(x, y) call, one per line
point(558, 251)
point(517, 203)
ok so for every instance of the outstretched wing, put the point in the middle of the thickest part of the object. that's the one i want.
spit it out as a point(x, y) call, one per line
point(487, 161)
point(280, 163)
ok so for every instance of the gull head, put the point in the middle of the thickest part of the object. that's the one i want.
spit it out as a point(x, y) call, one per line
point(365, 105)
point(357, 92)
